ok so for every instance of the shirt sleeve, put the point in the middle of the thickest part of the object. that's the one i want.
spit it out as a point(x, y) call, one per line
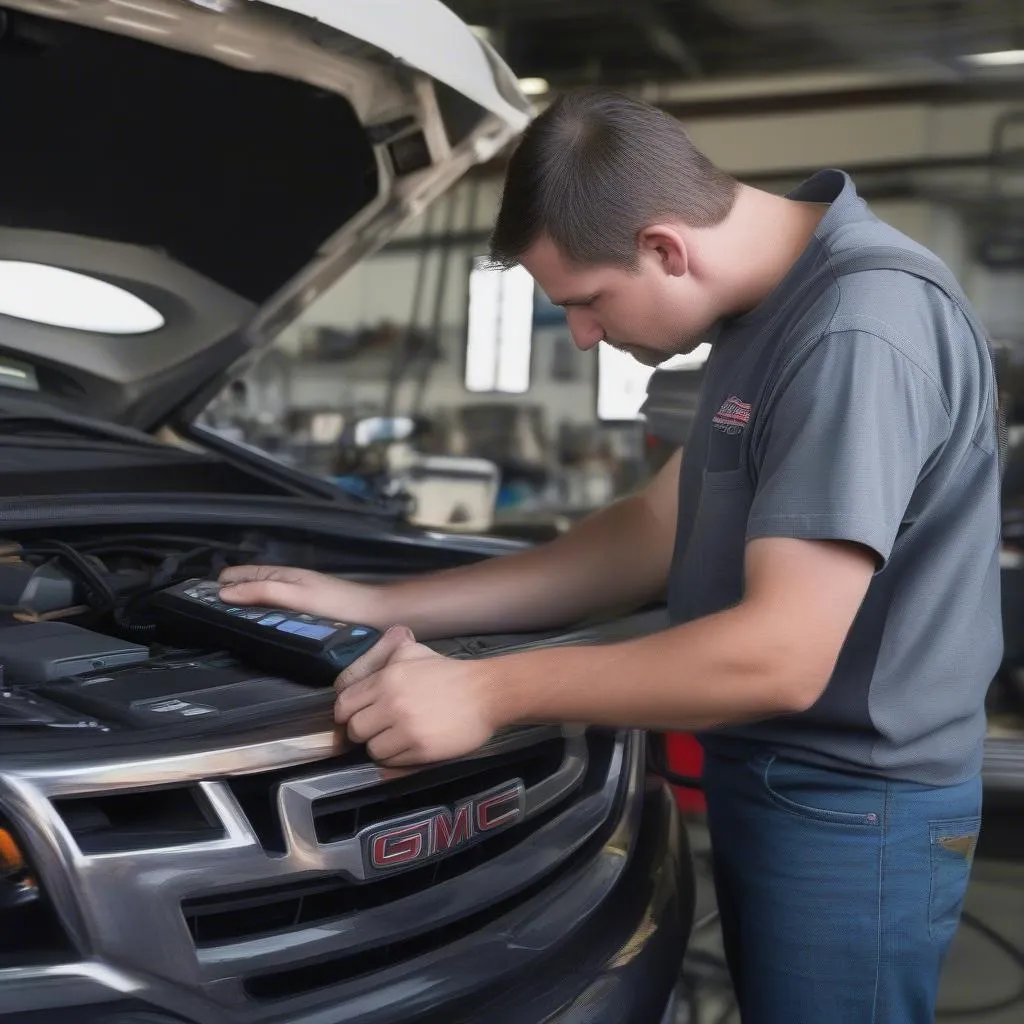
point(849, 430)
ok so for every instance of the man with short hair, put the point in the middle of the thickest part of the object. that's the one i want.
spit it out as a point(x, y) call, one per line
point(828, 549)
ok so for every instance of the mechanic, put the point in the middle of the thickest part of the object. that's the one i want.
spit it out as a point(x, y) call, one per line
point(829, 551)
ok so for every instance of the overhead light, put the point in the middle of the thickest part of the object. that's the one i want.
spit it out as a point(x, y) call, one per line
point(534, 86)
point(996, 59)
point(63, 298)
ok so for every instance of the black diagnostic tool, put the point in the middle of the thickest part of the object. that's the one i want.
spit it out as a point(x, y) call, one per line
point(305, 648)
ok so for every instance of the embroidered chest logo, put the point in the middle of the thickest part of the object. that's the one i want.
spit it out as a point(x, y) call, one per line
point(732, 417)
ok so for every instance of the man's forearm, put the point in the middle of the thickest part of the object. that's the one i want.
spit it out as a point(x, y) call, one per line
point(726, 668)
point(616, 559)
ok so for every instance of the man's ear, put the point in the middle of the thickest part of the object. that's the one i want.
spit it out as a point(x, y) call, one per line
point(666, 244)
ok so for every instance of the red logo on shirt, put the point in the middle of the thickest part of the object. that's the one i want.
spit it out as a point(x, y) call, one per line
point(733, 416)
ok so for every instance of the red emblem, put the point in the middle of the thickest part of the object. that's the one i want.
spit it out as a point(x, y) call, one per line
point(435, 833)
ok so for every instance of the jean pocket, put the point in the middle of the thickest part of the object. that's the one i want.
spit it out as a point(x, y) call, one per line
point(952, 843)
point(819, 795)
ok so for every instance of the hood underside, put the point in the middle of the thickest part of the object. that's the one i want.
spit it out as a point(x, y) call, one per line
point(225, 172)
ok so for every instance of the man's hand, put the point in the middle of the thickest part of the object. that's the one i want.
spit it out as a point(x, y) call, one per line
point(302, 590)
point(772, 654)
point(413, 706)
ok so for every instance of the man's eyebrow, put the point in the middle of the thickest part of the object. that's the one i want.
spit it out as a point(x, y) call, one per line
point(585, 301)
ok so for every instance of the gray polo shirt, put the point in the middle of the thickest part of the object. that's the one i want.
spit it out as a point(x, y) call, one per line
point(861, 410)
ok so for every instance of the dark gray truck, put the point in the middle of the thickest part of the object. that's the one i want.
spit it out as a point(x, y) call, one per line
point(182, 837)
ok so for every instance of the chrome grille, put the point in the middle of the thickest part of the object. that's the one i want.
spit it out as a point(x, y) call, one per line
point(236, 916)
point(210, 904)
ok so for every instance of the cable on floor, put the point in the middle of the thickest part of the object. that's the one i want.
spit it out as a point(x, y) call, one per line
point(1008, 949)
point(707, 969)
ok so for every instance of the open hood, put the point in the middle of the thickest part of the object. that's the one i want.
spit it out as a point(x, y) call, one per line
point(179, 179)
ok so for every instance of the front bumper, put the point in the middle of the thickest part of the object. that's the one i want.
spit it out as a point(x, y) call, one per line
point(616, 962)
point(622, 968)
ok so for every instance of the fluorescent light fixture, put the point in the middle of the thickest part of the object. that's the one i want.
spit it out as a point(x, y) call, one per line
point(64, 298)
point(534, 86)
point(500, 334)
point(996, 59)
point(622, 381)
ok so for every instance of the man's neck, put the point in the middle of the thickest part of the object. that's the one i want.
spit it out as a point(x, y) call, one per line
point(749, 254)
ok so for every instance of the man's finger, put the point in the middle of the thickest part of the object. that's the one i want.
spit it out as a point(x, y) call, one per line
point(268, 593)
point(402, 761)
point(368, 722)
point(351, 701)
point(375, 658)
point(386, 746)
point(250, 573)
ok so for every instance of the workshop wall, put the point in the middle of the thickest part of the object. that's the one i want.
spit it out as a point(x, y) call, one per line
point(778, 149)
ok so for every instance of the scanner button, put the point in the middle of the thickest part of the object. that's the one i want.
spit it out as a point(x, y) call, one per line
point(310, 630)
point(360, 632)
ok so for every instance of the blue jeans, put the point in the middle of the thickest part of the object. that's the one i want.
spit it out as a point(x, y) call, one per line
point(839, 894)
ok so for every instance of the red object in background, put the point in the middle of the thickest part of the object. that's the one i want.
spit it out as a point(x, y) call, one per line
point(685, 757)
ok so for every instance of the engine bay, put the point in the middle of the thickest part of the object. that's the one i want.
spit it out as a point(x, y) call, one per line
point(82, 650)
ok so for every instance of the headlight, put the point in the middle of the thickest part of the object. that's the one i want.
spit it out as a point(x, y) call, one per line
point(17, 884)
point(30, 932)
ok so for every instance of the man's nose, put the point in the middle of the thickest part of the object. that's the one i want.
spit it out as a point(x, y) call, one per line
point(586, 332)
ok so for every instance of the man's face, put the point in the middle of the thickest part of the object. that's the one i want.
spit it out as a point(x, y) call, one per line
point(652, 313)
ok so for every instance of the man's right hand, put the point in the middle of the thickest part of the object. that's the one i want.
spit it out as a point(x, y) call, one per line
point(302, 590)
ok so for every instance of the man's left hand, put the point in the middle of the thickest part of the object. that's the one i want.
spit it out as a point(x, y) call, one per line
point(411, 705)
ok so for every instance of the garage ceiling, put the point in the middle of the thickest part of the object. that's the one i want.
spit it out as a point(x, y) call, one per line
point(631, 42)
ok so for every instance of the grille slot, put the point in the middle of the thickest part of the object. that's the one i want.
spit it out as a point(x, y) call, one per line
point(257, 796)
point(296, 981)
point(213, 921)
point(233, 917)
point(141, 820)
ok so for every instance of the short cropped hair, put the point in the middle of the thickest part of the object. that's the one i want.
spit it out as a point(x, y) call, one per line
point(593, 170)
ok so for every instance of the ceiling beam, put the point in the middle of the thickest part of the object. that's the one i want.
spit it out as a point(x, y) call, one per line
point(663, 38)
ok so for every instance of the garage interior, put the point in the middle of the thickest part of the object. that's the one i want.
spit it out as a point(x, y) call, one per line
point(425, 375)
point(428, 381)
point(407, 373)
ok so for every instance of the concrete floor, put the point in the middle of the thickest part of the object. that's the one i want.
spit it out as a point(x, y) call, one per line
point(977, 973)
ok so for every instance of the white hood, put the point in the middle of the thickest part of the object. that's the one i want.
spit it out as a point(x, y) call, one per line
point(427, 35)
point(224, 161)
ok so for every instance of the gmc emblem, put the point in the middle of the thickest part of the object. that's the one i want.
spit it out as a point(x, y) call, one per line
point(435, 833)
